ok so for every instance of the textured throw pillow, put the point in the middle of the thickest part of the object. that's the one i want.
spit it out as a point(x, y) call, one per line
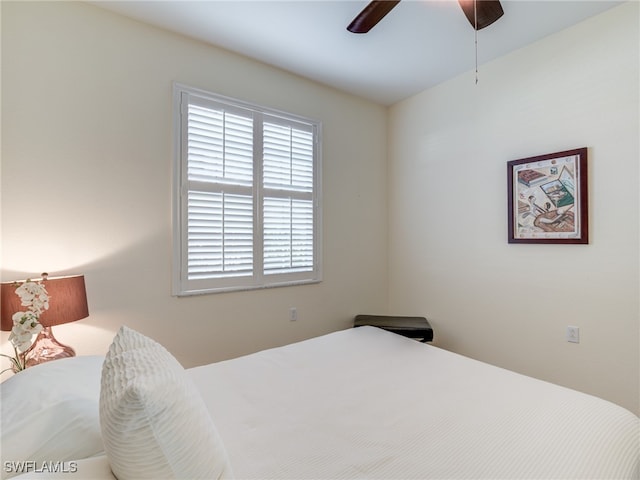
point(154, 422)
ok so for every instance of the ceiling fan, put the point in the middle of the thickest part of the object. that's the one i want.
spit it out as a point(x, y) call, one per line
point(480, 13)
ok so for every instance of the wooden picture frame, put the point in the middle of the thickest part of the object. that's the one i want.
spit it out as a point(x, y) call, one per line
point(548, 198)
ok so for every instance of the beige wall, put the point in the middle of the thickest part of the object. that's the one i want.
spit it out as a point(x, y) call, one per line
point(449, 258)
point(86, 181)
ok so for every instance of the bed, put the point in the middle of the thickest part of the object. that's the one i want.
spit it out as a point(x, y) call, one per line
point(354, 404)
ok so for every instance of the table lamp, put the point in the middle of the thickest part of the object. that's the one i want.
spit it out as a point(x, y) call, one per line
point(67, 303)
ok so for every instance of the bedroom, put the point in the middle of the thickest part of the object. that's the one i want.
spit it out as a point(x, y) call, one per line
point(86, 188)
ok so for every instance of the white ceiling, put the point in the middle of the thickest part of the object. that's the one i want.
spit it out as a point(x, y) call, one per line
point(420, 43)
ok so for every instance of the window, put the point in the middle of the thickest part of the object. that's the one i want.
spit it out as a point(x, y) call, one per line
point(246, 195)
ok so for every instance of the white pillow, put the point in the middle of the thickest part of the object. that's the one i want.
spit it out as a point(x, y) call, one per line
point(154, 422)
point(49, 412)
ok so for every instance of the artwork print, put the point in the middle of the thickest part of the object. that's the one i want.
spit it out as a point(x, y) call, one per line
point(548, 198)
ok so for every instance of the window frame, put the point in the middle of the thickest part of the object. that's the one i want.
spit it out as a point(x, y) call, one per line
point(181, 284)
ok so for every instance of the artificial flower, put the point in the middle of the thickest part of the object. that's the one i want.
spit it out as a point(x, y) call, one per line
point(25, 325)
point(34, 296)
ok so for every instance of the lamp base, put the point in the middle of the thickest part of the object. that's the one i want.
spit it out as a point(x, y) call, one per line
point(47, 348)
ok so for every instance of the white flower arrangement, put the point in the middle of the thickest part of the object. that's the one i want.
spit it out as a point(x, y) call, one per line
point(34, 296)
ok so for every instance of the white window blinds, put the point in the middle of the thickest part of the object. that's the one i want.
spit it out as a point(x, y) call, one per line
point(246, 203)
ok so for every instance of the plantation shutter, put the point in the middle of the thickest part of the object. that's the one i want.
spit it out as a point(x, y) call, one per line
point(246, 201)
point(220, 193)
point(288, 198)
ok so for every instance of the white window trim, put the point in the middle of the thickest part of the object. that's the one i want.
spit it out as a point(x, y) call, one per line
point(181, 286)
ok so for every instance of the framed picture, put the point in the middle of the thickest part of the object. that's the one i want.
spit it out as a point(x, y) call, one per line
point(548, 199)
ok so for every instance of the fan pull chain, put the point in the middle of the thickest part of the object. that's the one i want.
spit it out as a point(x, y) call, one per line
point(476, 57)
point(475, 20)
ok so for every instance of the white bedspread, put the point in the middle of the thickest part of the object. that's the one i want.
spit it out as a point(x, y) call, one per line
point(364, 403)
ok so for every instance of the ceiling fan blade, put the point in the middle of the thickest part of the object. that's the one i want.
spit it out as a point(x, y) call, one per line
point(371, 15)
point(488, 11)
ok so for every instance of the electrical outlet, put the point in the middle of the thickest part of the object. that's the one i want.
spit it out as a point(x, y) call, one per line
point(573, 334)
point(293, 314)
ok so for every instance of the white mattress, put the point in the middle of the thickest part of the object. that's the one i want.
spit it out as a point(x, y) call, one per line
point(365, 403)
point(362, 403)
